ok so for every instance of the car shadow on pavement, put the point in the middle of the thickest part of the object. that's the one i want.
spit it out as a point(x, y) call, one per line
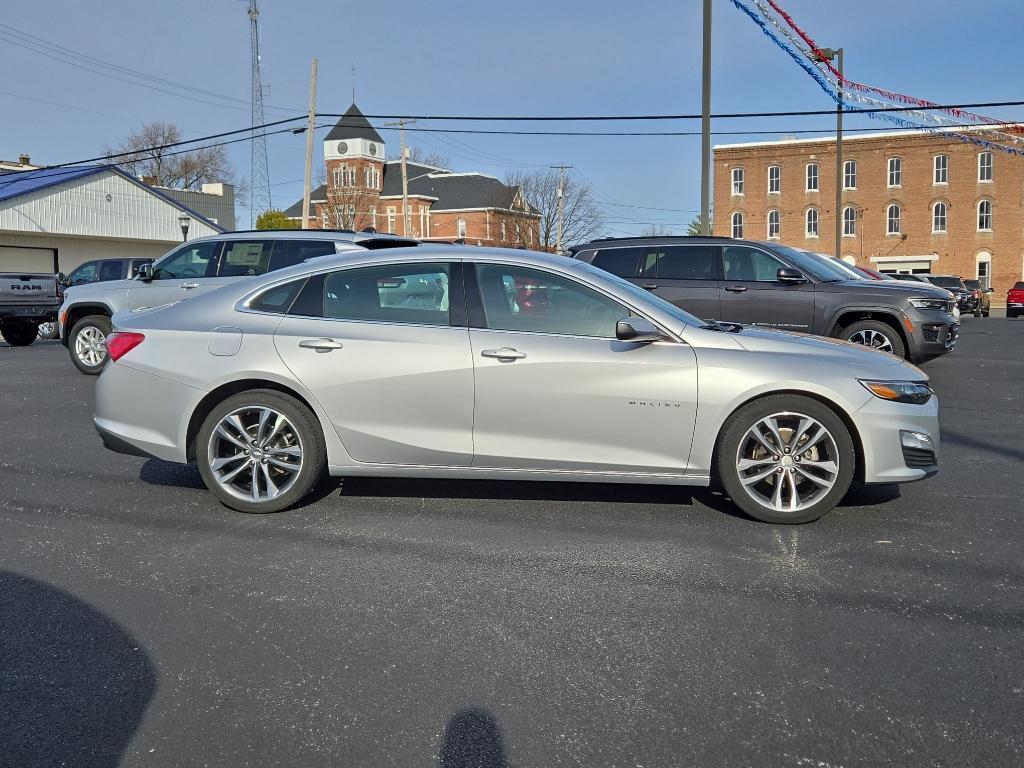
point(966, 441)
point(472, 739)
point(74, 684)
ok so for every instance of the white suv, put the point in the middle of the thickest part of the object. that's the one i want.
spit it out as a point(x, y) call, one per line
point(196, 267)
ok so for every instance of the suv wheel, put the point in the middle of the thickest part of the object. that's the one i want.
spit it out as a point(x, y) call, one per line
point(18, 334)
point(785, 459)
point(47, 331)
point(877, 335)
point(260, 451)
point(87, 343)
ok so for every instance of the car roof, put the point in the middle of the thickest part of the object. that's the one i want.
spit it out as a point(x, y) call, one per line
point(341, 235)
point(616, 242)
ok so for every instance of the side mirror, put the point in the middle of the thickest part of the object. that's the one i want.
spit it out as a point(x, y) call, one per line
point(145, 273)
point(637, 329)
point(790, 275)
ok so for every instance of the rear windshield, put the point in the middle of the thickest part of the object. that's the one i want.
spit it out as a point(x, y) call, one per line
point(945, 281)
point(1018, 286)
point(972, 283)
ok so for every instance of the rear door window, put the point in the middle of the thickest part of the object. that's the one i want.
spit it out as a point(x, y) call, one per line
point(111, 269)
point(681, 262)
point(246, 257)
point(624, 262)
point(287, 253)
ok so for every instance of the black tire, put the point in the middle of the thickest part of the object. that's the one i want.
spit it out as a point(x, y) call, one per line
point(1011, 313)
point(978, 313)
point(984, 313)
point(308, 438)
point(788, 409)
point(869, 330)
point(86, 328)
point(18, 334)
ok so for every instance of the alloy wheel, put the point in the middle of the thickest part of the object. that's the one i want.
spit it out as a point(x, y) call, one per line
point(255, 453)
point(787, 462)
point(91, 346)
point(873, 339)
point(46, 330)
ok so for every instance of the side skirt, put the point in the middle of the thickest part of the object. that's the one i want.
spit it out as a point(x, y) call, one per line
point(487, 473)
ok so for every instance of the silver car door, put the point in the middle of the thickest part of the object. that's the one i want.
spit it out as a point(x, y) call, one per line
point(556, 390)
point(375, 347)
point(177, 276)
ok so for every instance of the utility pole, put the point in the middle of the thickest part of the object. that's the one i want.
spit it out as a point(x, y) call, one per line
point(406, 217)
point(561, 204)
point(309, 147)
point(705, 128)
point(828, 54)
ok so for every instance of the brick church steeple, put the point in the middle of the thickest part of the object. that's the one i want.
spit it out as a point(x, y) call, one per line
point(354, 155)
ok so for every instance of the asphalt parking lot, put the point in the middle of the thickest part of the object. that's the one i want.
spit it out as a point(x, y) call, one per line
point(416, 623)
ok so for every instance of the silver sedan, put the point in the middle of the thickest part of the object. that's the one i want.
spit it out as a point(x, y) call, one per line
point(458, 362)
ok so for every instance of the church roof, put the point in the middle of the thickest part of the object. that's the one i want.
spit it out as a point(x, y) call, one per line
point(353, 125)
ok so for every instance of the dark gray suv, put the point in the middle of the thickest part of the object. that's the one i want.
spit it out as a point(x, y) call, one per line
point(772, 285)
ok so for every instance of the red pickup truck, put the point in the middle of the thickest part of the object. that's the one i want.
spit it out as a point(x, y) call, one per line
point(1015, 300)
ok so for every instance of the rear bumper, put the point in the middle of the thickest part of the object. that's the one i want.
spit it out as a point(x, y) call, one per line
point(31, 313)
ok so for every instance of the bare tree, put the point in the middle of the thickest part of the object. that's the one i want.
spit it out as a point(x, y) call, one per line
point(141, 154)
point(656, 230)
point(582, 218)
point(425, 157)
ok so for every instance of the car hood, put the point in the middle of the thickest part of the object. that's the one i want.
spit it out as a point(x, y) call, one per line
point(866, 362)
point(106, 287)
point(890, 288)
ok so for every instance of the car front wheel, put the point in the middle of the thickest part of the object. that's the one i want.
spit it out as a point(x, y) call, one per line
point(87, 344)
point(260, 451)
point(877, 335)
point(785, 459)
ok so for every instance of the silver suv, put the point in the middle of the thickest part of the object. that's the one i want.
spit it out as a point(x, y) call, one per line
point(194, 268)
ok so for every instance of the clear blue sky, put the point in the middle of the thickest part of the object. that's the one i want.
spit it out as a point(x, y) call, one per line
point(530, 57)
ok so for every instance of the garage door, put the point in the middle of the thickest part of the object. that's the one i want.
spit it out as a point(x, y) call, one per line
point(16, 259)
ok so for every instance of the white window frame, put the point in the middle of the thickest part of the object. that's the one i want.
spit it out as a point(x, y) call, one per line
point(808, 176)
point(812, 223)
point(504, 231)
point(774, 224)
point(889, 231)
point(336, 177)
point(373, 216)
point(849, 173)
point(943, 168)
point(935, 217)
point(392, 212)
point(738, 181)
point(983, 257)
point(851, 230)
point(736, 225)
point(775, 175)
point(986, 167)
point(987, 215)
point(460, 228)
point(895, 172)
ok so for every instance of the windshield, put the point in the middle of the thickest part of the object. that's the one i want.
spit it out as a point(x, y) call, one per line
point(945, 282)
point(819, 267)
point(642, 294)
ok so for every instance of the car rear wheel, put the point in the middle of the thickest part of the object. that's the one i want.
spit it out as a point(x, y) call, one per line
point(877, 335)
point(18, 334)
point(785, 459)
point(87, 344)
point(260, 451)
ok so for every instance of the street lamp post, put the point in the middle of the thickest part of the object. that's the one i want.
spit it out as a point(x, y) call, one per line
point(830, 54)
point(184, 221)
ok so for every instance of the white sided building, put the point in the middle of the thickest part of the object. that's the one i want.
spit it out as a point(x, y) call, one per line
point(53, 219)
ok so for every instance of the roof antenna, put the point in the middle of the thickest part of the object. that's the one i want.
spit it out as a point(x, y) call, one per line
point(353, 82)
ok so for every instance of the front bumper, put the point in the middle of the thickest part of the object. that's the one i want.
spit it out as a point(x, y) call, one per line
point(886, 460)
point(933, 336)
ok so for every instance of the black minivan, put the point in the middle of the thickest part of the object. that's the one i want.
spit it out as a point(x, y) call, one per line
point(775, 286)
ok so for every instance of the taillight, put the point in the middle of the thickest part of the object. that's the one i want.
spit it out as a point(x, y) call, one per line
point(121, 343)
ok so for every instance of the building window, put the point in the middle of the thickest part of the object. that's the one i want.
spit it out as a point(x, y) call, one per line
point(984, 269)
point(895, 172)
point(939, 217)
point(774, 179)
point(941, 174)
point(391, 219)
point(737, 181)
point(811, 220)
point(812, 177)
point(423, 220)
point(985, 216)
point(373, 216)
point(737, 224)
point(336, 177)
point(892, 219)
point(324, 221)
point(849, 221)
point(461, 228)
point(504, 233)
point(850, 174)
point(984, 166)
point(350, 222)
point(774, 225)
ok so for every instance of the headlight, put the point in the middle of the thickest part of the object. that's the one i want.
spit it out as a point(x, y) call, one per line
point(914, 392)
point(929, 303)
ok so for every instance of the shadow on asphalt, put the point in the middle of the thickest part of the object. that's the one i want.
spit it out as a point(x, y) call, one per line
point(75, 685)
point(982, 445)
point(472, 739)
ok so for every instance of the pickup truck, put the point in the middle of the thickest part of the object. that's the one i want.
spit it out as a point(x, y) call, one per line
point(26, 300)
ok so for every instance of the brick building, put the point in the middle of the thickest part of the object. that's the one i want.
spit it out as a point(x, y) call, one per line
point(363, 190)
point(912, 202)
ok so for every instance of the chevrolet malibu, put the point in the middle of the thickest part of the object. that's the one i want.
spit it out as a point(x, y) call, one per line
point(443, 361)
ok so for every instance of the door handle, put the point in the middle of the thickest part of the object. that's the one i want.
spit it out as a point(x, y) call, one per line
point(321, 345)
point(649, 286)
point(736, 288)
point(188, 286)
point(505, 353)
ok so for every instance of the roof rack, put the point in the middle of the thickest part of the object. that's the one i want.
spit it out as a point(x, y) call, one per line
point(659, 237)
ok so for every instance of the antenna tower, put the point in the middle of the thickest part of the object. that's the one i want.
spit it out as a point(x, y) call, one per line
point(259, 175)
